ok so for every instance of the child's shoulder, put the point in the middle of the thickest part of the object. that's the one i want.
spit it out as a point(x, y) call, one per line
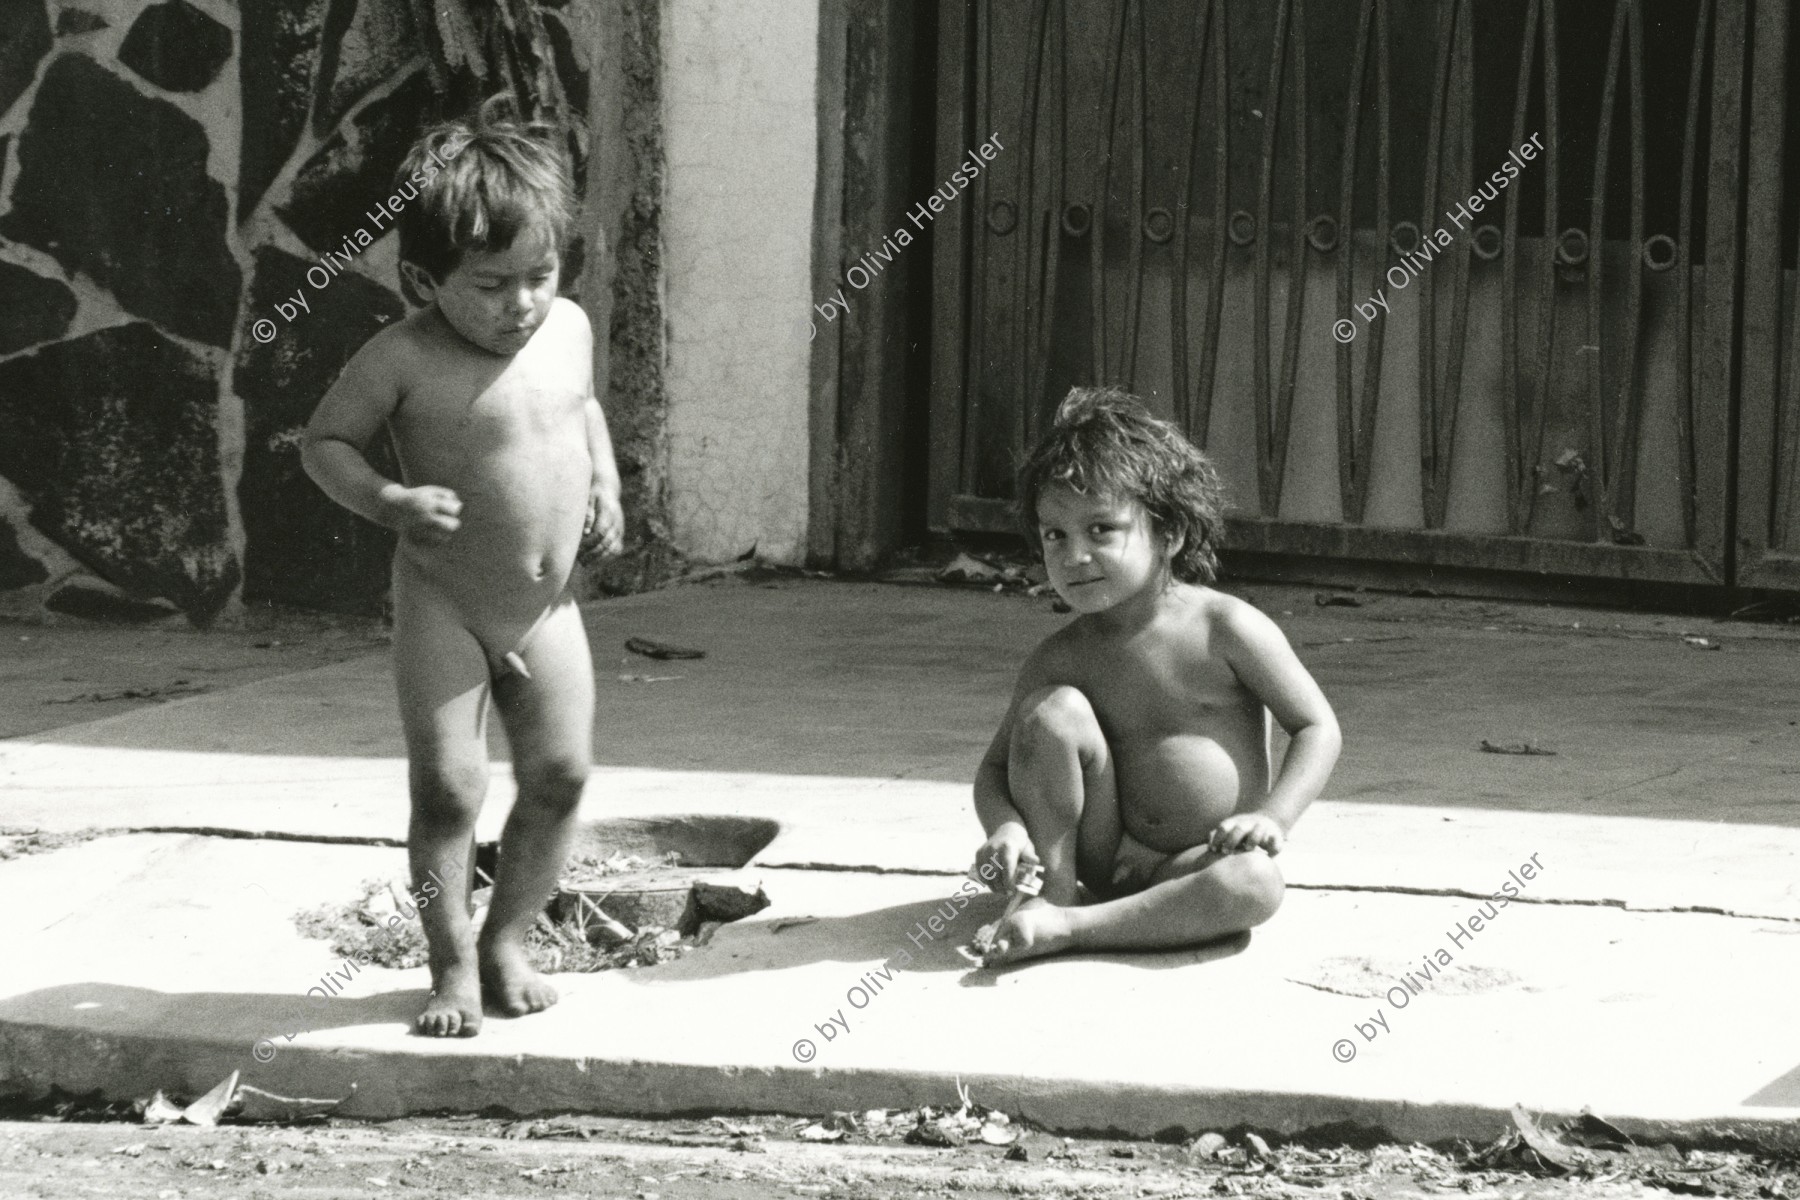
point(568, 319)
point(398, 346)
point(568, 310)
point(1221, 607)
point(1229, 623)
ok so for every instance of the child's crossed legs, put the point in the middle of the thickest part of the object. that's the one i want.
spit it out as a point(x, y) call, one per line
point(1062, 780)
point(444, 681)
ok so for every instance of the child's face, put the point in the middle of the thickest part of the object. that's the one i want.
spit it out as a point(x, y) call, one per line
point(496, 299)
point(1098, 550)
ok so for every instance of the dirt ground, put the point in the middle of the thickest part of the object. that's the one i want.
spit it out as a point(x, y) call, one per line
point(72, 671)
point(68, 670)
point(704, 1159)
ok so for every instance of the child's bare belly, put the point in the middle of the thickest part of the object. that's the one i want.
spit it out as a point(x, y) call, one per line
point(1173, 790)
point(516, 549)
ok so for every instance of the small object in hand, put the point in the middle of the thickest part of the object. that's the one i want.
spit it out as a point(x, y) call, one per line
point(651, 648)
point(1027, 880)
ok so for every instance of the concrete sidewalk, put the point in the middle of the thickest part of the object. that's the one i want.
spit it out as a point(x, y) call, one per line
point(1650, 971)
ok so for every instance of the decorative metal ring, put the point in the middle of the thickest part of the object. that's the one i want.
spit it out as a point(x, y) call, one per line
point(1572, 247)
point(1487, 242)
point(1322, 234)
point(1002, 217)
point(1656, 247)
point(1242, 227)
point(1159, 224)
point(1077, 219)
point(1411, 231)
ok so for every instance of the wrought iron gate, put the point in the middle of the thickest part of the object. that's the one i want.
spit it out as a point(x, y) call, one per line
point(1195, 196)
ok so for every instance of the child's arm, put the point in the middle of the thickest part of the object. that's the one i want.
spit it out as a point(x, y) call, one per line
point(1008, 842)
point(332, 451)
point(1266, 665)
point(605, 526)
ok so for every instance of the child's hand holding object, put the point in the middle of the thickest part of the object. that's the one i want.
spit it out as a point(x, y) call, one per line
point(1027, 881)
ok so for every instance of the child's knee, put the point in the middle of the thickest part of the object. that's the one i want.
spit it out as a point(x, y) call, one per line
point(1061, 715)
point(449, 791)
point(555, 780)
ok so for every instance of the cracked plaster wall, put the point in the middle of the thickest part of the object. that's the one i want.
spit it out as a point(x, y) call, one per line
point(740, 138)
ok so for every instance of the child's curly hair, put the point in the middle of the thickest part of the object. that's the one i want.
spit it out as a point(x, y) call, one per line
point(1104, 442)
point(479, 183)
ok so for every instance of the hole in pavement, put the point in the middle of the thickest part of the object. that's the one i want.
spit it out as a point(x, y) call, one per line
point(635, 891)
point(654, 872)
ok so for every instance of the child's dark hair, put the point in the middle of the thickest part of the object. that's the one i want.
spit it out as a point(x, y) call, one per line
point(480, 183)
point(1104, 442)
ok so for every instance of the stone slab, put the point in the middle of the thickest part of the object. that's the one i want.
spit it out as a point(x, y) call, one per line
point(124, 989)
point(853, 715)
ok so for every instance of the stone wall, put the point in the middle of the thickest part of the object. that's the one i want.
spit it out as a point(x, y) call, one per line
point(175, 177)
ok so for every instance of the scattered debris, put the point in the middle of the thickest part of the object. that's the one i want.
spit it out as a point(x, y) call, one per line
point(180, 687)
point(1335, 600)
point(561, 1128)
point(662, 651)
point(254, 1104)
point(568, 946)
point(1584, 1144)
point(1522, 748)
point(966, 568)
point(1700, 643)
point(17, 841)
point(363, 929)
point(649, 678)
point(1207, 1146)
point(228, 1101)
point(738, 1128)
point(935, 1132)
point(585, 868)
point(209, 1108)
point(1784, 610)
point(158, 1111)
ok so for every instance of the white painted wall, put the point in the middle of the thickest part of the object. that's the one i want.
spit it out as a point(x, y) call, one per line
point(740, 82)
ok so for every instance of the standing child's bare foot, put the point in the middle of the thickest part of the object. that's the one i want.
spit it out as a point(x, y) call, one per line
point(454, 1009)
point(508, 982)
point(1035, 929)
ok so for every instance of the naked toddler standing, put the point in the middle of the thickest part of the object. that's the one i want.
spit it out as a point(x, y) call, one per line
point(507, 474)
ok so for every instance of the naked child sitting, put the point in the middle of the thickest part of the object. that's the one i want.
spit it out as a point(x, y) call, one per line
point(1134, 758)
point(507, 475)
